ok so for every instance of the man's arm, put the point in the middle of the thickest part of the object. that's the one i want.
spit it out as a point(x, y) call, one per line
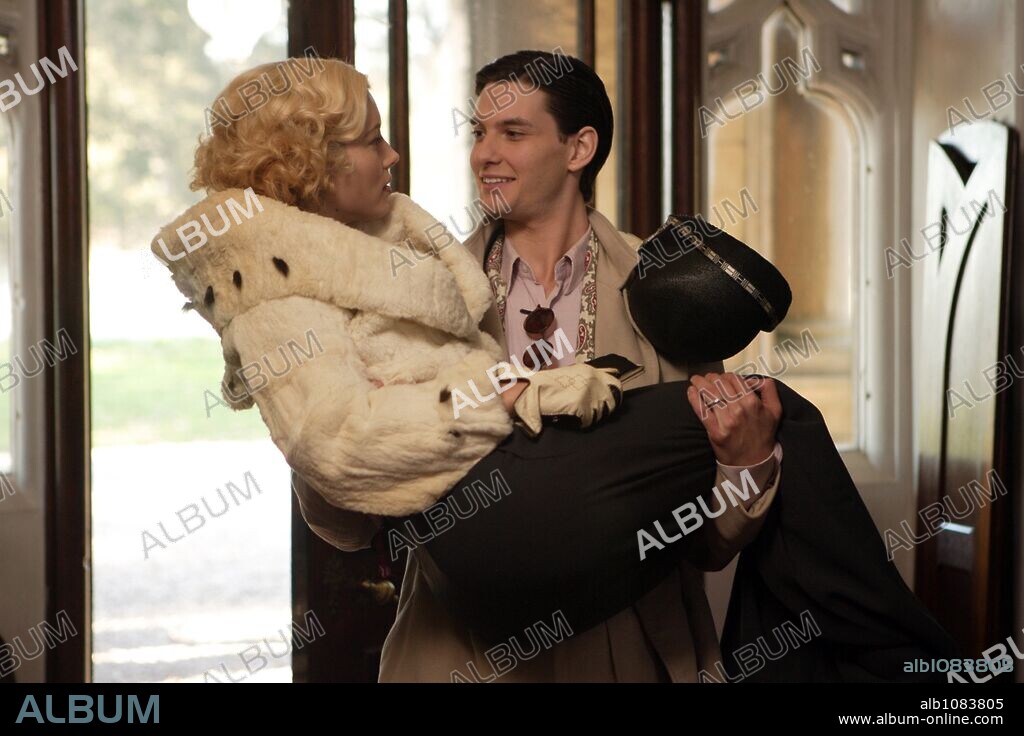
point(741, 426)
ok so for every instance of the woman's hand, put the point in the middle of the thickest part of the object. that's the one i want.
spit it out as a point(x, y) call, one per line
point(580, 390)
point(741, 425)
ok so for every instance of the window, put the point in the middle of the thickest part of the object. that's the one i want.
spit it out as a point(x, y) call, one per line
point(6, 298)
point(793, 157)
point(803, 115)
point(172, 600)
point(372, 55)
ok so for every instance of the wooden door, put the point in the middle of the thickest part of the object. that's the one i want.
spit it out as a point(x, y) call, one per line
point(965, 378)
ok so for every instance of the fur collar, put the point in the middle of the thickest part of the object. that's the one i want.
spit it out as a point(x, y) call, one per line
point(264, 249)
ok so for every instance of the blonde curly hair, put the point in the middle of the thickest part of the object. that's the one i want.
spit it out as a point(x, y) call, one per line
point(281, 128)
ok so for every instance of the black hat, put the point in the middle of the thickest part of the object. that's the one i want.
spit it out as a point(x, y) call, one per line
point(700, 295)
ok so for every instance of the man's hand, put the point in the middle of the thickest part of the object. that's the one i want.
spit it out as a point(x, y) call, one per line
point(741, 425)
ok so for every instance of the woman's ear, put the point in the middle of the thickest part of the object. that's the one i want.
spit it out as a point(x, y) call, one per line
point(584, 147)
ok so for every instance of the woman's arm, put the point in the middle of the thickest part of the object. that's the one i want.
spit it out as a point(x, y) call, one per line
point(387, 451)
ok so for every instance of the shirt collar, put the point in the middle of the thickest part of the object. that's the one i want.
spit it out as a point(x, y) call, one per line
point(568, 269)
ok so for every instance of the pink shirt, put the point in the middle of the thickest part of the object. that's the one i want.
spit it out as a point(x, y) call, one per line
point(525, 292)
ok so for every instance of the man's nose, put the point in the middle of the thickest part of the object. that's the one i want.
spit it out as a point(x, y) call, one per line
point(484, 152)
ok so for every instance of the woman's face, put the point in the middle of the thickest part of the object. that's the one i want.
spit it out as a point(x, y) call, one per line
point(360, 193)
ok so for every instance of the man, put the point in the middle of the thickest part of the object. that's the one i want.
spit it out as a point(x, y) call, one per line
point(538, 147)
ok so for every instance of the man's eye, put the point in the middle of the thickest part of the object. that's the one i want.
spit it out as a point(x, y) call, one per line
point(476, 133)
point(514, 133)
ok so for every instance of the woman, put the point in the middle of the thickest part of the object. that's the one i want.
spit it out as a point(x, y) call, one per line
point(295, 246)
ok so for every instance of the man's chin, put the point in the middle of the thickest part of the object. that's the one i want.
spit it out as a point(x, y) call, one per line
point(496, 205)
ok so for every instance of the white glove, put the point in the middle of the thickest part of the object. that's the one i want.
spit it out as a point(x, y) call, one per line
point(578, 390)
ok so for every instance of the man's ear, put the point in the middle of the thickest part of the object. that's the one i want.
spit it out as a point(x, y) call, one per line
point(583, 148)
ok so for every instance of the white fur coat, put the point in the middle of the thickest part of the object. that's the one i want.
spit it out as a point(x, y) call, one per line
point(311, 313)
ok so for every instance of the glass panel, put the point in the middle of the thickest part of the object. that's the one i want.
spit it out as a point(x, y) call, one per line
point(372, 55)
point(448, 41)
point(6, 302)
point(849, 6)
point(607, 197)
point(172, 600)
point(794, 157)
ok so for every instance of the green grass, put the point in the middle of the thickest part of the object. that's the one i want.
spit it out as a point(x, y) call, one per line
point(154, 392)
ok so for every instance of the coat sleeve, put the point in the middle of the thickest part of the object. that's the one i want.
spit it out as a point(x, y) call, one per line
point(728, 533)
point(348, 531)
point(390, 450)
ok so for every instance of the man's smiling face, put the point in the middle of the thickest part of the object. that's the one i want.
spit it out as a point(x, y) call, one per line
point(519, 152)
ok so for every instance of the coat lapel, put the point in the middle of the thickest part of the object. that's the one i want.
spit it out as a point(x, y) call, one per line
point(491, 321)
point(614, 328)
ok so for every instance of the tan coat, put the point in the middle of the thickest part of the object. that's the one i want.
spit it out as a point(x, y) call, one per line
point(669, 634)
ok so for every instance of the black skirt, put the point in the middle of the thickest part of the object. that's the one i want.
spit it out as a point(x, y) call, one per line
point(561, 527)
point(550, 524)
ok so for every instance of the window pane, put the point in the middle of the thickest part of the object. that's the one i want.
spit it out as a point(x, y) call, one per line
point(849, 6)
point(607, 197)
point(448, 41)
point(172, 601)
point(372, 27)
point(795, 158)
point(6, 302)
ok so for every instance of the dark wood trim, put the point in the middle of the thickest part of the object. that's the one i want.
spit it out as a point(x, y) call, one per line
point(329, 27)
point(302, 539)
point(687, 88)
point(1009, 415)
point(346, 29)
point(643, 150)
point(322, 575)
point(586, 24)
point(63, 200)
point(398, 81)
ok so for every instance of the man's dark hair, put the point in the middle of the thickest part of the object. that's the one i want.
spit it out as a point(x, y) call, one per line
point(576, 97)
